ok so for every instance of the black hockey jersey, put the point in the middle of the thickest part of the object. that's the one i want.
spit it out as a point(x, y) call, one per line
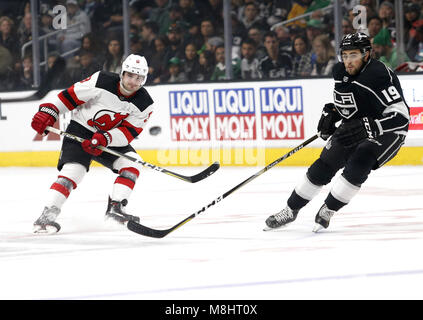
point(374, 92)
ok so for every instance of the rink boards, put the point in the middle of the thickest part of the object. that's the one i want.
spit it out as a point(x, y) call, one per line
point(235, 123)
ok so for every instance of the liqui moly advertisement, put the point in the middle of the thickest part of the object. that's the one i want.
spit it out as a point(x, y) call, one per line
point(189, 115)
point(235, 117)
point(282, 113)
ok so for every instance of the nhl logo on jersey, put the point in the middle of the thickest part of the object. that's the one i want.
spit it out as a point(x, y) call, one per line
point(345, 103)
point(345, 79)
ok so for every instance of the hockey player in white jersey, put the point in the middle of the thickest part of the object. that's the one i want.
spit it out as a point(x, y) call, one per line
point(108, 110)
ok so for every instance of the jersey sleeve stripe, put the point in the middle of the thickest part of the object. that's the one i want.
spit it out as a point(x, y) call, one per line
point(65, 100)
point(72, 93)
point(68, 97)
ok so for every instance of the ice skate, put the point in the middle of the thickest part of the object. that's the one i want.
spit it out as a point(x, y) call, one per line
point(323, 218)
point(46, 222)
point(281, 218)
point(116, 211)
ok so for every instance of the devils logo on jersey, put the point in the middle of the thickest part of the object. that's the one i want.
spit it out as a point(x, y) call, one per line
point(106, 120)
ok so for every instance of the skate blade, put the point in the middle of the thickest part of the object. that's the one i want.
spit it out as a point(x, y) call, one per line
point(274, 229)
point(45, 230)
point(111, 221)
point(317, 227)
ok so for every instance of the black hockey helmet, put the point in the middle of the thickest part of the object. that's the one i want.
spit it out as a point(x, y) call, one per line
point(357, 40)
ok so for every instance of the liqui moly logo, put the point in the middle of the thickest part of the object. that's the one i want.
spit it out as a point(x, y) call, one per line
point(235, 117)
point(282, 113)
point(189, 115)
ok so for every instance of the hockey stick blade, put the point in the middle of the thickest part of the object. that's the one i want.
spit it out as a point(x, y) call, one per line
point(192, 179)
point(156, 233)
point(203, 174)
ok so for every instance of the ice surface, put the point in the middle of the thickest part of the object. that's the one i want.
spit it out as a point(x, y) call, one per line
point(371, 250)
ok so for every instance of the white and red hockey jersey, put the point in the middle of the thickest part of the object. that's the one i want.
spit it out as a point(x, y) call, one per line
point(97, 104)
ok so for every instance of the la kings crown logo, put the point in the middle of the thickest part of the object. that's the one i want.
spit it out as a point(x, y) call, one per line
point(345, 103)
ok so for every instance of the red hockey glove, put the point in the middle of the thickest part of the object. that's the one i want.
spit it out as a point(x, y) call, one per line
point(100, 138)
point(47, 115)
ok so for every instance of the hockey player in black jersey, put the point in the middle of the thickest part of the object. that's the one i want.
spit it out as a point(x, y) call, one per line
point(369, 103)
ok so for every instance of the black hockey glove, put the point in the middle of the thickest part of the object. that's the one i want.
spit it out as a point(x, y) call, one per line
point(351, 133)
point(327, 121)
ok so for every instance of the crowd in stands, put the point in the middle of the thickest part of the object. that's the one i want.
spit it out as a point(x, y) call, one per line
point(183, 40)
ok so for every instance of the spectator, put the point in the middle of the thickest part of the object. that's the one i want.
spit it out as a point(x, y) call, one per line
point(301, 57)
point(239, 32)
point(26, 77)
point(174, 37)
point(213, 43)
point(62, 80)
point(257, 35)
point(46, 21)
point(190, 13)
point(276, 64)
point(251, 16)
point(214, 10)
point(137, 20)
point(91, 8)
point(415, 44)
point(8, 36)
point(176, 74)
point(100, 15)
point(383, 50)
point(207, 62)
point(78, 24)
point(207, 30)
point(190, 62)
point(156, 65)
point(6, 60)
point(149, 32)
point(25, 31)
point(112, 17)
point(386, 13)
point(135, 45)
point(249, 62)
point(314, 28)
point(160, 15)
point(374, 25)
point(347, 26)
point(284, 38)
point(87, 67)
point(88, 43)
point(193, 35)
point(274, 12)
point(324, 57)
point(412, 20)
point(219, 72)
point(175, 17)
point(114, 56)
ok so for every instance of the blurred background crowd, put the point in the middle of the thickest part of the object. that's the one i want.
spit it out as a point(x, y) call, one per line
point(183, 40)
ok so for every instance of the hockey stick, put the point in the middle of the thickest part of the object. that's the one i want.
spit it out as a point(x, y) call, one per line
point(45, 86)
point(154, 233)
point(192, 179)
